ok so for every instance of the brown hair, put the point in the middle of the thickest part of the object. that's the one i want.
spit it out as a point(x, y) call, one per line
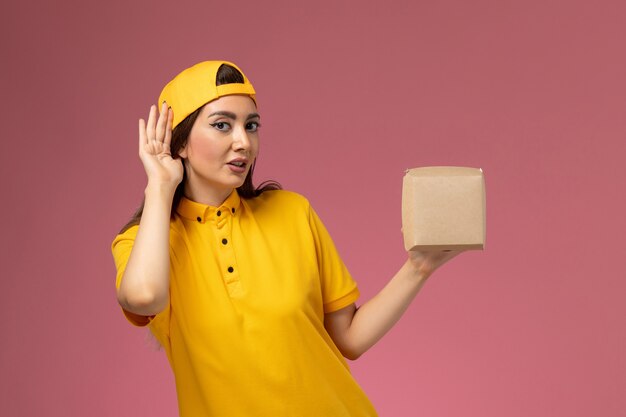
point(226, 74)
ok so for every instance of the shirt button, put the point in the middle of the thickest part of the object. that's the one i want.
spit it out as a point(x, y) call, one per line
point(224, 241)
point(219, 213)
point(199, 219)
point(230, 269)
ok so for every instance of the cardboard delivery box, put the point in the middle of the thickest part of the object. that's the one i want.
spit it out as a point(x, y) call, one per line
point(443, 208)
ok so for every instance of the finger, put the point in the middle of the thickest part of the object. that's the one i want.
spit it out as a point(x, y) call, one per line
point(439, 257)
point(452, 255)
point(143, 139)
point(446, 256)
point(151, 126)
point(168, 126)
point(160, 129)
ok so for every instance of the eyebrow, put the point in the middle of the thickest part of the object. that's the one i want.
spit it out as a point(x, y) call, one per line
point(232, 115)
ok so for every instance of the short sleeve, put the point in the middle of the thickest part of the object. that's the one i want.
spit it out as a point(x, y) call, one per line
point(339, 289)
point(121, 248)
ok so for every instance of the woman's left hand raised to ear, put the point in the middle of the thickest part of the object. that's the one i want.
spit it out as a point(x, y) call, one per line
point(426, 262)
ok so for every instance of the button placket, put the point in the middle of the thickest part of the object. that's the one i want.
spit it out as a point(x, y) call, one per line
point(221, 218)
point(230, 272)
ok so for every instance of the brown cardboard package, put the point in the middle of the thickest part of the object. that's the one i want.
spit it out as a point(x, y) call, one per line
point(443, 208)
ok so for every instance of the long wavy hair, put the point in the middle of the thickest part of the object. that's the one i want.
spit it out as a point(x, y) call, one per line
point(226, 74)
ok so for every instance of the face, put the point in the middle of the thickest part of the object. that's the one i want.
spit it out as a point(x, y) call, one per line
point(222, 145)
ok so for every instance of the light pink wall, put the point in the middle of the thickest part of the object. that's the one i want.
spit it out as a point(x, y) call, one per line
point(351, 94)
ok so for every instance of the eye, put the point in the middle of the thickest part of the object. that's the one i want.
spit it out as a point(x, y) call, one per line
point(252, 126)
point(221, 126)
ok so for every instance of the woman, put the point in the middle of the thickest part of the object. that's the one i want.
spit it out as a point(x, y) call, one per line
point(243, 287)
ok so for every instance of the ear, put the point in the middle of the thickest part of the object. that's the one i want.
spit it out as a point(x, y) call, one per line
point(183, 152)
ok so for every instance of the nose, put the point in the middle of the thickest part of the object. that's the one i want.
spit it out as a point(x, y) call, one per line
point(241, 140)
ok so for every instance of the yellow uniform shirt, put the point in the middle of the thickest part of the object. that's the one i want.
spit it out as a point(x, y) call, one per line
point(250, 282)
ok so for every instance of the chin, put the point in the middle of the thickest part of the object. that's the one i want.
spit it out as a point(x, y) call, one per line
point(236, 184)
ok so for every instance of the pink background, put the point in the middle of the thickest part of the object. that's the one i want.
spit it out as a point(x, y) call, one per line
point(351, 93)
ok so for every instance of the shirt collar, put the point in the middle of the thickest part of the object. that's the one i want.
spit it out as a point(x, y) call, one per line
point(202, 213)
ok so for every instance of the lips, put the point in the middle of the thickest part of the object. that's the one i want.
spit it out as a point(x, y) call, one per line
point(238, 164)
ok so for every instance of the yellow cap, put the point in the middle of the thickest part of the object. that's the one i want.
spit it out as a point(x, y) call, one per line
point(195, 86)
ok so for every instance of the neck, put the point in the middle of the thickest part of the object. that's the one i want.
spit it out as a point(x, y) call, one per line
point(206, 195)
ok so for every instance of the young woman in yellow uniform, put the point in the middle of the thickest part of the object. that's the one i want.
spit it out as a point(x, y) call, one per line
point(243, 286)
